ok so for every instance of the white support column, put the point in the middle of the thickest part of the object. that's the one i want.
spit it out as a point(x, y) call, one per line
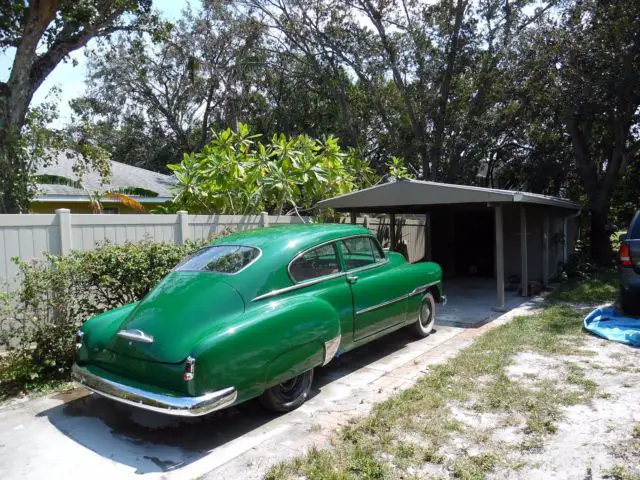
point(365, 221)
point(524, 274)
point(183, 226)
point(264, 219)
point(64, 226)
point(545, 250)
point(499, 257)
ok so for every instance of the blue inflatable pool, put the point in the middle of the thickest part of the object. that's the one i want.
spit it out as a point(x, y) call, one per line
point(609, 323)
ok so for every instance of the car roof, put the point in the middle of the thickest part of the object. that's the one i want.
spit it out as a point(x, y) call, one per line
point(298, 237)
point(279, 245)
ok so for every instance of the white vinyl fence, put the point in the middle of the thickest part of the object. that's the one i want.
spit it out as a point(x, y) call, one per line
point(30, 236)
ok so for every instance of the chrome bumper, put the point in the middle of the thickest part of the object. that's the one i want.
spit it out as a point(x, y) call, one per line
point(179, 406)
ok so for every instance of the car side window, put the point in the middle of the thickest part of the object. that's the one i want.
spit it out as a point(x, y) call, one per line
point(315, 263)
point(358, 252)
point(377, 250)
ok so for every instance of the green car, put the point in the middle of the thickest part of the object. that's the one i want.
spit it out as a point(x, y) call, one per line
point(251, 315)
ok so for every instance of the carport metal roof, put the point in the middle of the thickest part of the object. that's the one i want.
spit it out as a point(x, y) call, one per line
point(413, 194)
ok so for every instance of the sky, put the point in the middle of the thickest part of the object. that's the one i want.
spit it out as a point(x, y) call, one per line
point(70, 79)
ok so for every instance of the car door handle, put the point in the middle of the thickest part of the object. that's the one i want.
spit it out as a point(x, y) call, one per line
point(352, 280)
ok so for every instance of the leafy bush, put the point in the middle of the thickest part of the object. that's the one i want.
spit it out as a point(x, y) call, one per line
point(38, 322)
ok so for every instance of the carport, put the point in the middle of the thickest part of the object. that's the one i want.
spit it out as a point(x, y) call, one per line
point(518, 238)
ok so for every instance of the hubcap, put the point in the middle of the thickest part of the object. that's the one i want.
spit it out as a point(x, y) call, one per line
point(291, 389)
point(425, 315)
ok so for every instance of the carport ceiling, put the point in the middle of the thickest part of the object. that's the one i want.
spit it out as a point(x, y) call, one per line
point(416, 195)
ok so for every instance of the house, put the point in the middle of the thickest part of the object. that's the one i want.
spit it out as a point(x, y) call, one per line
point(58, 187)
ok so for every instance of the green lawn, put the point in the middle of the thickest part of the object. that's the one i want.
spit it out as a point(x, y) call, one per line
point(411, 430)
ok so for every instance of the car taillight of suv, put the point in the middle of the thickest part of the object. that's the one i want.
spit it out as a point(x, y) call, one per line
point(625, 256)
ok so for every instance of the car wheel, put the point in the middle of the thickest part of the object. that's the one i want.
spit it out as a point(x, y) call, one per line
point(628, 303)
point(288, 395)
point(426, 316)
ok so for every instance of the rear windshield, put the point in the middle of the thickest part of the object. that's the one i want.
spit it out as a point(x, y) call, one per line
point(220, 259)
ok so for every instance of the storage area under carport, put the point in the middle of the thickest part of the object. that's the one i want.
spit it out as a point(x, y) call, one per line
point(509, 242)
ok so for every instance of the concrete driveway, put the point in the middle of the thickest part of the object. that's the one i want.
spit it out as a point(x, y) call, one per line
point(76, 433)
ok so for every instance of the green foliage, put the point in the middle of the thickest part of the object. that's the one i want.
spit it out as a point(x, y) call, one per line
point(39, 321)
point(238, 174)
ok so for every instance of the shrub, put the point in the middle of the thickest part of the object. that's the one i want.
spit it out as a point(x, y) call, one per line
point(38, 322)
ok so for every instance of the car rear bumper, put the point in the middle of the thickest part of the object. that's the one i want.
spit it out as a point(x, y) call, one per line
point(157, 402)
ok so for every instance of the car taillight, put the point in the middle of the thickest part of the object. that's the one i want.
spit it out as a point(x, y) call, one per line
point(79, 336)
point(625, 255)
point(189, 369)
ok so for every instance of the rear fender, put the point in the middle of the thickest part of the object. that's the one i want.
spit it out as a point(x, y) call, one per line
point(273, 341)
point(99, 330)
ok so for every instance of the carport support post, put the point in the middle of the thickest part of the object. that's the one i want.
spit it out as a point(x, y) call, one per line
point(499, 257)
point(392, 231)
point(352, 214)
point(545, 250)
point(523, 253)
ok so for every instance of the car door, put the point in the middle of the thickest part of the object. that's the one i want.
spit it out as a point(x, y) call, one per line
point(321, 266)
point(379, 300)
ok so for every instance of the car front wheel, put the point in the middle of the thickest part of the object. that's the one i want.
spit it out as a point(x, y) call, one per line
point(426, 316)
point(288, 395)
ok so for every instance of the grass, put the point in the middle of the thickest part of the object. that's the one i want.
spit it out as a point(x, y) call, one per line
point(600, 288)
point(414, 428)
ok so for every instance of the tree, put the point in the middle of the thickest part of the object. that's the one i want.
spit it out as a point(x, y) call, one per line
point(581, 72)
point(44, 33)
point(238, 174)
point(197, 78)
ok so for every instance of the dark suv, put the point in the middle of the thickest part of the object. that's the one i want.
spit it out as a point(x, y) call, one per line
point(630, 268)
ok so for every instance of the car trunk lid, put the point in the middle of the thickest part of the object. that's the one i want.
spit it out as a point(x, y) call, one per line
point(175, 315)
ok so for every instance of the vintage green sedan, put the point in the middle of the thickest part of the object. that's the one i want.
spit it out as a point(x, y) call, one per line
point(251, 315)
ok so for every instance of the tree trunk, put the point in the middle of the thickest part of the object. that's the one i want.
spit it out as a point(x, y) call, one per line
point(601, 252)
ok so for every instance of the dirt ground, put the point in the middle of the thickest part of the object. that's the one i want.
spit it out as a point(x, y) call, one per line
point(600, 439)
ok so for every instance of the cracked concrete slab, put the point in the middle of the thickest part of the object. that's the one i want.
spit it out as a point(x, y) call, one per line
point(76, 433)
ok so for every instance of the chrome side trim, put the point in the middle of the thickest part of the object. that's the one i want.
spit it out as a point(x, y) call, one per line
point(381, 305)
point(330, 349)
point(136, 336)
point(415, 291)
point(297, 286)
point(369, 267)
point(170, 405)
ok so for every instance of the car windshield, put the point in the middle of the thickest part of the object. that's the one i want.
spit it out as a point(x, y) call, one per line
point(220, 259)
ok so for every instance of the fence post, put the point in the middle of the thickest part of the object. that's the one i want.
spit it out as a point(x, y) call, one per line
point(183, 226)
point(264, 219)
point(64, 229)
